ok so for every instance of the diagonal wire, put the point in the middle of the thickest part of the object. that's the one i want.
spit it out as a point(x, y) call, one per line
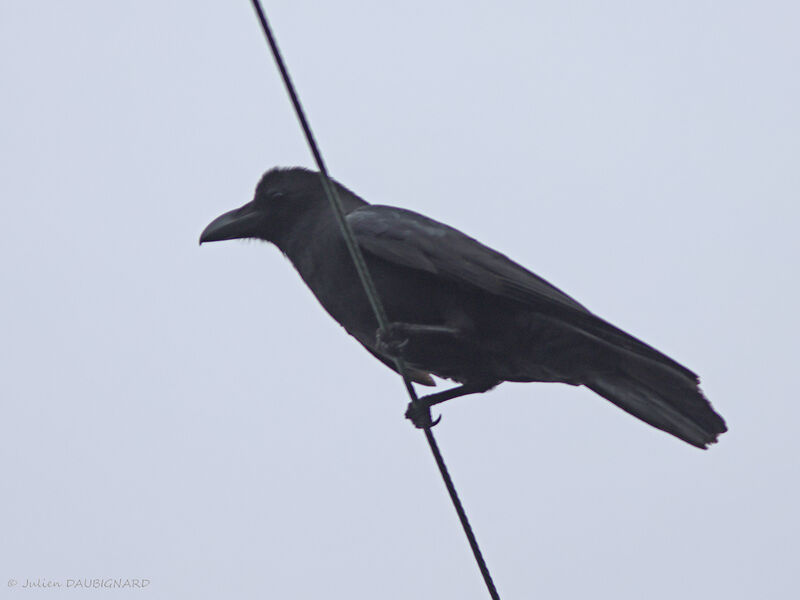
point(371, 292)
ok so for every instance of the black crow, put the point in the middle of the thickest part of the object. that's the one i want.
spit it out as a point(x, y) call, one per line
point(460, 310)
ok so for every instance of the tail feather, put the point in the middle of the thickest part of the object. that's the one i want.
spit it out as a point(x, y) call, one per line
point(664, 397)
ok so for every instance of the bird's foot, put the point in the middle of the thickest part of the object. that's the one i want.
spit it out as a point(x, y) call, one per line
point(393, 340)
point(419, 413)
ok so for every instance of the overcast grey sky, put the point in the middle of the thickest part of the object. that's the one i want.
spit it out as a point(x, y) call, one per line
point(191, 416)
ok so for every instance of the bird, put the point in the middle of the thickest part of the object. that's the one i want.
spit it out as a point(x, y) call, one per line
point(458, 309)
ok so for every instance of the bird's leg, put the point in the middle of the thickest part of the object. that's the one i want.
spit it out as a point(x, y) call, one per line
point(395, 339)
point(423, 344)
point(419, 412)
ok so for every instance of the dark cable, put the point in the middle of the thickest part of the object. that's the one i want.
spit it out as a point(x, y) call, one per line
point(371, 292)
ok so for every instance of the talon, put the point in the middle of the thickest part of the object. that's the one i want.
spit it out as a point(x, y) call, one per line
point(420, 415)
point(392, 341)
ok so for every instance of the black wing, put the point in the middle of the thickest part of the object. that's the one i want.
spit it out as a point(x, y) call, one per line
point(415, 241)
point(412, 240)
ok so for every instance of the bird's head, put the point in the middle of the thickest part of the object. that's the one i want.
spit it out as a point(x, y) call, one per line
point(281, 195)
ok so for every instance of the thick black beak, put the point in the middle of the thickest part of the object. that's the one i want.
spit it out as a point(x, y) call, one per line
point(239, 223)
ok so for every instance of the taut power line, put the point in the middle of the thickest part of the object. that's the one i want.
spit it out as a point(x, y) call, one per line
point(371, 292)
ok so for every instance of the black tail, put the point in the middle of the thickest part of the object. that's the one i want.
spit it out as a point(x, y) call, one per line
point(663, 396)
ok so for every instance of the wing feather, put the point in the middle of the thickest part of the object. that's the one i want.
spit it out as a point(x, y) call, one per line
point(417, 242)
point(411, 240)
